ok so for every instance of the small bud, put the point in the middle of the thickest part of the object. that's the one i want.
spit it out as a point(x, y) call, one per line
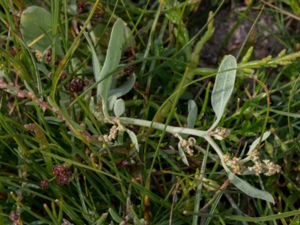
point(44, 184)
point(38, 55)
point(63, 76)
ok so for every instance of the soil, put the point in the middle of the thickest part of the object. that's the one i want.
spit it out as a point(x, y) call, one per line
point(232, 26)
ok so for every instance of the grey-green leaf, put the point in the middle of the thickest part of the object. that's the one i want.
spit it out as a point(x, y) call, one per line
point(119, 107)
point(245, 187)
point(248, 189)
point(114, 215)
point(133, 139)
point(182, 155)
point(112, 60)
point(102, 218)
point(124, 88)
point(36, 26)
point(223, 87)
point(111, 102)
point(260, 139)
point(95, 60)
point(192, 113)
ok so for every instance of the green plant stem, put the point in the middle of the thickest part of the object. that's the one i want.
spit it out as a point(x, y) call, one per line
point(150, 40)
point(265, 218)
point(255, 64)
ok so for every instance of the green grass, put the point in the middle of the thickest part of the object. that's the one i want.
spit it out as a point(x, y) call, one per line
point(98, 112)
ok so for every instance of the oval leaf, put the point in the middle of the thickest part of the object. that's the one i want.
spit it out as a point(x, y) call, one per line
point(36, 28)
point(112, 60)
point(192, 115)
point(119, 107)
point(223, 87)
point(133, 139)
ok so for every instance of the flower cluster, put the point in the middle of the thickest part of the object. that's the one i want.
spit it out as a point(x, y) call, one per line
point(187, 145)
point(265, 166)
point(234, 164)
point(220, 133)
point(113, 133)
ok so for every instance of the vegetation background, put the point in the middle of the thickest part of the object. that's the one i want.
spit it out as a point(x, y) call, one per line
point(70, 71)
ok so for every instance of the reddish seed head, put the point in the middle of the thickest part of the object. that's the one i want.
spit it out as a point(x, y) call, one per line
point(14, 216)
point(62, 179)
point(123, 164)
point(13, 51)
point(48, 56)
point(63, 76)
point(58, 170)
point(76, 85)
point(62, 174)
point(44, 184)
point(80, 7)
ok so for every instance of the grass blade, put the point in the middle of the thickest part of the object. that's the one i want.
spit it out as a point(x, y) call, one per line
point(265, 218)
